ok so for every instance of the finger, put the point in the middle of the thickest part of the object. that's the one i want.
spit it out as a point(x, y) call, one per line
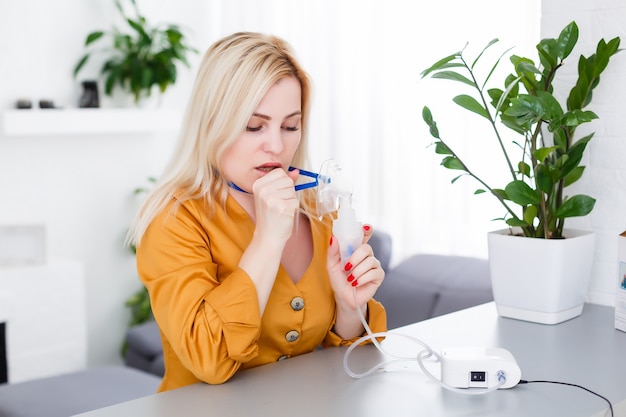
point(276, 180)
point(294, 174)
point(367, 232)
point(333, 258)
point(364, 269)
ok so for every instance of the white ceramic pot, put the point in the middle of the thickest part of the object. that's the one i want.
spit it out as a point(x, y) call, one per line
point(540, 280)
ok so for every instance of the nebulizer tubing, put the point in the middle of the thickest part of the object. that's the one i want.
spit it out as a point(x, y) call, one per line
point(421, 356)
point(335, 193)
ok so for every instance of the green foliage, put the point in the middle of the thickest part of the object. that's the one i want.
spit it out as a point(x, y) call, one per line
point(140, 309)
point(550, 156)
point(143, 58)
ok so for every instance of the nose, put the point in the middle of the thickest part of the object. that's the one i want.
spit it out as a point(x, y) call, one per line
point(273, 141)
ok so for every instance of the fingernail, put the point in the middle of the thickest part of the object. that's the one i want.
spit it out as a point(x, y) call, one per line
point(348, 266)
point(355, 283)
point(331, 241)
point(367, 227)
point(350, 278)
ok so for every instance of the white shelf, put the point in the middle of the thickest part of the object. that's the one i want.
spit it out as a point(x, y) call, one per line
point(54, 122)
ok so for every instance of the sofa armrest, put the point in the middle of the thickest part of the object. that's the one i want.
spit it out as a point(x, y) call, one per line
point(145, 350)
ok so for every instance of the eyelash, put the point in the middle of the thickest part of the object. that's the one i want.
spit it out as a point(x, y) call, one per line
point(257, 129)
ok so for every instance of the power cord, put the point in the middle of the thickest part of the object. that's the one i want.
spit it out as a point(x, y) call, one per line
point(571, 385)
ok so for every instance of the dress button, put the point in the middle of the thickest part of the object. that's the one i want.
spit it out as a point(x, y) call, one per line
point(292, 335)
point(297, 303)
point(282, 357)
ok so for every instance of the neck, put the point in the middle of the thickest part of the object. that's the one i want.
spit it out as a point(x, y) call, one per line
point(245, 200)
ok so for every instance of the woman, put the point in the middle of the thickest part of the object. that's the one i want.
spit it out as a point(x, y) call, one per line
point(239, 270)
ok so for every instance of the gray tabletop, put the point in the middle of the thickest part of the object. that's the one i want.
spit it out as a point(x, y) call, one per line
point(587, 351)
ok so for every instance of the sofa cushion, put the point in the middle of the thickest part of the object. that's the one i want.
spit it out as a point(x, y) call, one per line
point(429, 285)
point(77, 392)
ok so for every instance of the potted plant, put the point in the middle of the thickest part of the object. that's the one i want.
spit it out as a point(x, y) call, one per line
point(141, 59)
point(544, 158)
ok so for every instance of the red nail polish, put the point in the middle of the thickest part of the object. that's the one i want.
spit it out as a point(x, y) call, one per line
point(348, 266)
point(355, 283)
point(367, 227)
point(350, 278)
point(331, 241)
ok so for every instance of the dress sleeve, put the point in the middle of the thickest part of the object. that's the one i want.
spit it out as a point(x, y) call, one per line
point(377, 321)
point(212, 325)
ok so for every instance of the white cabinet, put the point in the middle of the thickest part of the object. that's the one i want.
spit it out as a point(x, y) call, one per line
point(45, 314)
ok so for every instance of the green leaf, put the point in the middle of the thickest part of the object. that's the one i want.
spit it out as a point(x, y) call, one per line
point(529, 214)
point(525, 108)
point(505, 95)
point(500, 193)
point(573, 176)
point(93, 36)
point(81, 64)
point(544, 179)
point(542, 153)
point(520, 193)
point(513, 222)
point(456, 178)
point(428, 118)
point(454, 76)
point(440, 64)
point(442, 149)
point(491, 43)
point(451, 162)
point(480, 191)
point(578, 205)
point(548, 54)
point(524, 168)
point(575, 154)
point(471, 104)
point(567, 40)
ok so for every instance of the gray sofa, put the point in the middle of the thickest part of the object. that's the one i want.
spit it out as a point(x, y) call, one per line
point(418, 288)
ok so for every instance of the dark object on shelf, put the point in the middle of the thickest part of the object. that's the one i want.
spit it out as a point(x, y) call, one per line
point(90, 98)
point(46, 104)
point(23, 104)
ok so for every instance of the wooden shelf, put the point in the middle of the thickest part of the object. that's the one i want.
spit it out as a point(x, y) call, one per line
point(55, 122)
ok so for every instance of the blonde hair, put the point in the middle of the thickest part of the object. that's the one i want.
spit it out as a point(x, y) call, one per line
point(234, 75)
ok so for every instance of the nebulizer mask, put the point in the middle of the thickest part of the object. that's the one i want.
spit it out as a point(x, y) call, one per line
point(334, 193)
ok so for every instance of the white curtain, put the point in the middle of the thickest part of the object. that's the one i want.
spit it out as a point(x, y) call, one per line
point(365, 58)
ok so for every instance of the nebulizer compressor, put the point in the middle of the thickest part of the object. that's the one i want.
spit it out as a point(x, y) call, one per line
point(488, 369)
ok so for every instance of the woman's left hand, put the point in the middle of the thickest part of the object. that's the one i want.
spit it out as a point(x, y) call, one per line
point(361, 272)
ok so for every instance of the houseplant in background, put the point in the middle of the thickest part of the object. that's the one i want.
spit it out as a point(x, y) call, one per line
point(542, 161)
point(140, 60)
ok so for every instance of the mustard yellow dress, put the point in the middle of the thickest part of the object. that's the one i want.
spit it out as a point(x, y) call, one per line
point(207, 307)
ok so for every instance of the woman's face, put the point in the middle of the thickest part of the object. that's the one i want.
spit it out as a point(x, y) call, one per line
point(271, 137)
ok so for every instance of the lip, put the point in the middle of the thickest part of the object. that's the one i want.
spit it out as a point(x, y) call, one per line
point(268, 167)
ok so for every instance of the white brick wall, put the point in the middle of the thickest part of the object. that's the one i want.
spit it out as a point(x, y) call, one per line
point(605, 176)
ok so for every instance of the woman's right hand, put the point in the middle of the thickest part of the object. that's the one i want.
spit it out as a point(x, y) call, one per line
point(276, 203)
